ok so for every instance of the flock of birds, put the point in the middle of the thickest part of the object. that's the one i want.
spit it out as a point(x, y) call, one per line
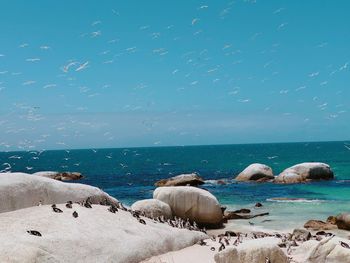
point(207, 68)
point(115, 207)
point(216, 243)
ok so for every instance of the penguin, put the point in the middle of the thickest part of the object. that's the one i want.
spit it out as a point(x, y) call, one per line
point(87, 203)
point(113, 209)
point(75, 214)
point(57, 210)
point(344, 245)
point(202, 243)
point(69, 204)
point(34, 233)
point(142, 221)
point(222, 247)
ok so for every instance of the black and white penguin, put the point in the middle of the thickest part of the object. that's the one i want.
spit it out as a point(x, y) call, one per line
point(113, 209)
point(57, 210)
point(34, 233)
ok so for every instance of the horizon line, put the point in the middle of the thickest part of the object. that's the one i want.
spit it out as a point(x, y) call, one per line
point(173, 146)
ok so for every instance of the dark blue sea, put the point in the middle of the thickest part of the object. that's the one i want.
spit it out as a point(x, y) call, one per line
point(129, 174)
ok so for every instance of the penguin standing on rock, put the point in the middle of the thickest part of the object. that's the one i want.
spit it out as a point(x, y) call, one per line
point(69, 204)
point(34, 233)
point(56, 209)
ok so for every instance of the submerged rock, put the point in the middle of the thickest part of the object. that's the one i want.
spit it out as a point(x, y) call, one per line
point(20, 190)
point(305, 172)
point(191, 202)
point(181, 180)
point(232, 215)
point(61, 176)
point(256, 172)
point(153, 208)
point(253, 251)
point(96, 235)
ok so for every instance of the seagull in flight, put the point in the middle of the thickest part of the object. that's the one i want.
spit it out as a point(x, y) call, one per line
point(32, 59)
point(82, 66)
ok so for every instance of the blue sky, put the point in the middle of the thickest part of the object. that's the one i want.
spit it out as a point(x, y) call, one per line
point(80, 74)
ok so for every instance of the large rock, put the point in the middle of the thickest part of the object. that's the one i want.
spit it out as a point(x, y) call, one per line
point(305, 172)
point(319, 225)
point(96, 235)
point(343, 221)
point(191, 202)
point(329, 250)
point(181, 180)
point(153, 208)
point(256, 172)
point(253, 251)
point(20, 190)
point(61, 176)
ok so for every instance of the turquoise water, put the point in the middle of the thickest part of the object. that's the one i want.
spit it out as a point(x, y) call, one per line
point(129, 174)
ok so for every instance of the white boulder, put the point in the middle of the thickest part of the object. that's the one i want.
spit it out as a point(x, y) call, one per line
point(153, 208)
point(305, 172)
point(191, 202)
point(96, 235)
point(256, 172)
point(20, 190)
point(328, 250)
point(253, 251)
point(192, 179)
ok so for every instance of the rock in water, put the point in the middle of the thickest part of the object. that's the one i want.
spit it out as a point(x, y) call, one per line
point(95, 236)
point(191, 202)
point(256, 172)
point(253, 251)
point(153, 208)
point(181, 180)
point(20, 190)
point(305, 172)
point(61, 176)
point(319, 225)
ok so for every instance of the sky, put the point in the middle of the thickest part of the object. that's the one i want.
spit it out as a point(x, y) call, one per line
point(89, 74)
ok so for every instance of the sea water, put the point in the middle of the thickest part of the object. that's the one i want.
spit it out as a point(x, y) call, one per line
point(129, 174)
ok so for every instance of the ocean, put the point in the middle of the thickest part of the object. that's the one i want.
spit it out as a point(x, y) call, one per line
point(129, 174)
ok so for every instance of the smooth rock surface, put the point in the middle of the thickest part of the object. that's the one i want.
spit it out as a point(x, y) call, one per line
point(328, 250)
point(256, 172)
point(96, 235)
point(253, 251)
point(181, 180)
point(153, 208)
point(319, 225)
point(61, 176)
point(305, 172)
point(301, 234)
point(343, 221)
point(20, 190)
point(191, 202)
